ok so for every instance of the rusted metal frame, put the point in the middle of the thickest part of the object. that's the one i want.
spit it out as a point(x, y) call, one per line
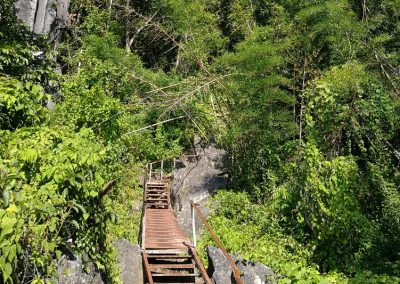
point(161, 171)
point(193, 226)
point(151, 168)
point(152, 171)
point(200, 266)
point(168, 192)
point(236, 270)
point(147, 267)
point(144, 228)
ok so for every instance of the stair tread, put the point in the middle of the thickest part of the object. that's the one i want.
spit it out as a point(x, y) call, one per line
point(168, 256)
point(169, 274)
point(172, 265)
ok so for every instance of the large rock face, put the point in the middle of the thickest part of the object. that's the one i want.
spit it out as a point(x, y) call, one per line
point(129, 259)
point(70, 271)
point(222, 273)
point(197, 178)
point(43, 16)
point(130, 262)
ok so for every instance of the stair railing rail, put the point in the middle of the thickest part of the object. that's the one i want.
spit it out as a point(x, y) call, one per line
point(236, 270)
point(152, 171)
point(161, 169)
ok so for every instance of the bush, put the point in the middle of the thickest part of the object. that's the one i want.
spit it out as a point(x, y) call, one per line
point(50, 181)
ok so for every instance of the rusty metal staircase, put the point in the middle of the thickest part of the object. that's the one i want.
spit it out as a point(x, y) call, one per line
point(157, 195)
point(168, 254)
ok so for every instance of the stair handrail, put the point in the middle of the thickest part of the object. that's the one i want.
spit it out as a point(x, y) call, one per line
point(236, 270)
point(149, 167)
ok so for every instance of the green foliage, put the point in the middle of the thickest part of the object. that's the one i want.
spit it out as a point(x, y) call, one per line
point(255, 233)
point(11, 228)
point(196, 29)
point(20, 104)
point(356, 110)
point(327, 31)
point(324, 196)
point(302, 94)
point(22, 55)
point(124, 205)
point(52, 178)
point(259, 107)
point(96, 110)
point(350, 113)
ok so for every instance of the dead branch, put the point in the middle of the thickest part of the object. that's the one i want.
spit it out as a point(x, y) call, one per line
point(155, 124)
point(106, 189)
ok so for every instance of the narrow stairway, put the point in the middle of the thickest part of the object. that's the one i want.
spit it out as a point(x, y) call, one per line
point(168, 254)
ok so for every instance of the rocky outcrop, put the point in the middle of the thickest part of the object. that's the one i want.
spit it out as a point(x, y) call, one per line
point(222, 273)
point(197, 177)
point(200, 175)
point(129, 262)
point(70, 271)
point(44, 16)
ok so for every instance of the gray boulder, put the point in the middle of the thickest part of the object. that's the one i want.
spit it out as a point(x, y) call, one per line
point(130, 262)
point(43, 16)
point(222, 273)
point(200, 175)
point(218, 267)
point(197, 178)
point(70, 271)
point(26, 11)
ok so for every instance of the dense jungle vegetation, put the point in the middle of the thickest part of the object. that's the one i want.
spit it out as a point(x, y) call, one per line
point(304, 96)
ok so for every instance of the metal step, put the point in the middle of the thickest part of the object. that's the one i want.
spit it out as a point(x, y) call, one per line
point(167, 253)
point(163, 256)
point(172, 266)
point(177, 274)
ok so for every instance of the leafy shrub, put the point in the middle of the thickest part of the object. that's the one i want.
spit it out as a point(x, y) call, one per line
point(255, 233)
point(50, 181)
point(22, 55)
point(20, 104)
point(324, 203)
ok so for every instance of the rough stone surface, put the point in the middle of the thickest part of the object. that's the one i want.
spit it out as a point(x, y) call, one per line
point(44, 16)
point(197, 177)
point(222, 273)
point(130, 262)
point(70, 271)
point(26, 11)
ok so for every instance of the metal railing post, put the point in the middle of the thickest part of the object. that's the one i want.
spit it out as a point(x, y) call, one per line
point(151, 168)
point(236, 271)
point(174, 167)
point(193, 226)
point(162, 167)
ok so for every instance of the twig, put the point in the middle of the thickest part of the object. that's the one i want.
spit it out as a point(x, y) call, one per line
point(107, 188)
point(155, 124)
